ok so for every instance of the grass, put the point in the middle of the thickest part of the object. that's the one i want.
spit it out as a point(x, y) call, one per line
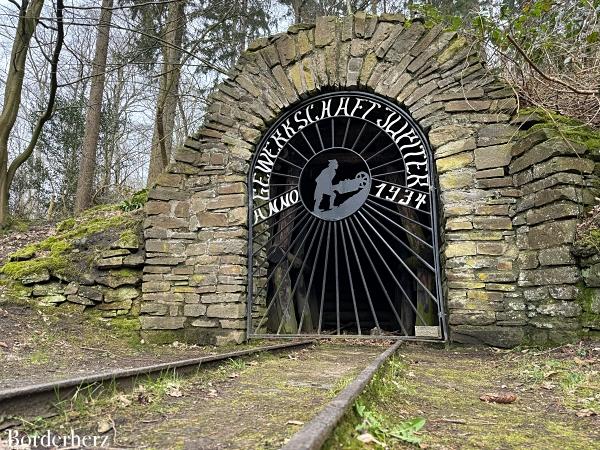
point(430, 397)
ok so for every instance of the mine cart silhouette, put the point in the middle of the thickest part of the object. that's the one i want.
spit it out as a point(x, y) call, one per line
point(325, 186)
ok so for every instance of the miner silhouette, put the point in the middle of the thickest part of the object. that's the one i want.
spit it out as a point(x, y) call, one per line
point(325, 185)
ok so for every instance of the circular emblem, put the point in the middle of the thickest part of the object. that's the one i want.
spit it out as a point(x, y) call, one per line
point(334, 183)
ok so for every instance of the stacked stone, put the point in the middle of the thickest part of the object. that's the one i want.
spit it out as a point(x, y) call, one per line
point(195, 273)
point(195, 278)
point(556, 178)
point(111, 287)
point(196, 230)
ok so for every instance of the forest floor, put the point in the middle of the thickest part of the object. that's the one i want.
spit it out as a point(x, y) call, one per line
point(256, 402)
point(557, 400)
point(40, 346)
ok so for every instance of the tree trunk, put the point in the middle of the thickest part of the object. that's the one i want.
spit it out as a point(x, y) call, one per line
point(166, 106)
point(87, 164)
point(29, 14)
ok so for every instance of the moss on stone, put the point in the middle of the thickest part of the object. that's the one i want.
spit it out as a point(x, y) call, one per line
point(54, 252)
point(17, 270)
point(565, 127)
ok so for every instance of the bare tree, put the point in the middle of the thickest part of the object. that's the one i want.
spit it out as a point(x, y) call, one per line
point(29, 15)
point(87, 164)
point(162, 139)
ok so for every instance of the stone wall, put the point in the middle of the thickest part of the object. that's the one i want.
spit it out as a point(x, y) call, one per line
point(103, 278)
point(500, 192)
point(532, 295)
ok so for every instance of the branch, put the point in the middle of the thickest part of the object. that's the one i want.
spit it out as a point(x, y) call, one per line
point(548, 77)
point(24, 156)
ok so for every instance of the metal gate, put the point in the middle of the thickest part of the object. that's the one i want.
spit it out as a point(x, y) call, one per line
point(342, 224)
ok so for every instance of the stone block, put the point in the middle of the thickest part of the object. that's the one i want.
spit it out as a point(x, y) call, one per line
point(467, 105)
point(454, 162)
point(491, 248)
point(553, 211)
point(492, 157)
point(52, 299)
point(548, 276)
point(456, 179)
point(490, 173)
point(556, 256)
point(460, 249)
point(492, 223)
point(559, 309)
point(230, 337)
point(48, 289)
point(324, 30)
point(551, 234)
point(451, 133)
point(591, 275)
point(156, 286)
point(495, 134)
point(563, 164)
point(497, 336)
point(564, 292)
point(80, 300)
point(154, 308)
point(162, 323)
point(91, 293)
point(194, 310)
point(205, 323)
point(226, 310)
point(120, 294)
point(38, 277)
point(459, 223)
point(109, 263)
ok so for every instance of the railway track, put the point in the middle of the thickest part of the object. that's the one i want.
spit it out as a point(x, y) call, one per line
point(40, 399)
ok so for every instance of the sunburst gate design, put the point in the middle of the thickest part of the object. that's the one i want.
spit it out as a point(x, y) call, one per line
point(343, 232)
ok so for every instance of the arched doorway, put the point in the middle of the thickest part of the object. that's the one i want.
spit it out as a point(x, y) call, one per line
point(342, 223)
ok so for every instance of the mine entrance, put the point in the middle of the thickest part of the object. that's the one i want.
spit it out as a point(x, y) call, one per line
point(343, 230)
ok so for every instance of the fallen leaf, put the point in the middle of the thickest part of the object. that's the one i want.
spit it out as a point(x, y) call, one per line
point(253, 363)
point(3, 344)
point(123, 400)
point(585, 413)
point(368, 438)
point(233, 375)
point(213, 393)
point(548, 386)
point(501, 397)
point(103, 426)
point(174, 390)
point(294, 422)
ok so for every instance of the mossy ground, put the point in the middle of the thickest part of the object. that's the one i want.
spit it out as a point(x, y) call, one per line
point(45, 344)
point(444, 386)
point(55, 253)
point(245, 403)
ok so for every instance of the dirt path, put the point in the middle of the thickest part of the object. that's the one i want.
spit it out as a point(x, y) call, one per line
point(38, 346)
point(255, 403)
point(558, 395)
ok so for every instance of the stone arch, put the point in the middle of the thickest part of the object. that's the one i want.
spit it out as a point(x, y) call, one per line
point(194, 284)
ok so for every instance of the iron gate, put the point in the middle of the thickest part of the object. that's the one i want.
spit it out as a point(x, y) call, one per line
point(342, 224)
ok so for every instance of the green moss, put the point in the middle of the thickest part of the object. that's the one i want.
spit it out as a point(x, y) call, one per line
point(53, 253)
point(26, 252)
point(65, 225)
point(566, 128)
point(124, 273)
point(128, 239)
point(17, 270)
